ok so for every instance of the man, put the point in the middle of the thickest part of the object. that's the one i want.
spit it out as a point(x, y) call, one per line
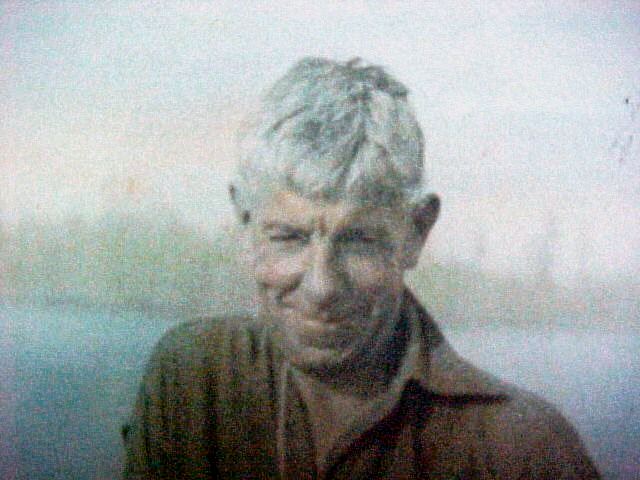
point(342, 374)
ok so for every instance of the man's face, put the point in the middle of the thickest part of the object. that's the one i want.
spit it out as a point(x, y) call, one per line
point(329, 274)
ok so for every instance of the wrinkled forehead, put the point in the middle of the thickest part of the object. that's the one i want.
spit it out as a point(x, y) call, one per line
point(367, 194)
point(287, 207)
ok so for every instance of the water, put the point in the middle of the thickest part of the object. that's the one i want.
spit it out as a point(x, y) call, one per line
point(75, 373)
point(72, 375)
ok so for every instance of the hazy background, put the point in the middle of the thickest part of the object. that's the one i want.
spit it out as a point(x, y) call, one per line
point(116, 145)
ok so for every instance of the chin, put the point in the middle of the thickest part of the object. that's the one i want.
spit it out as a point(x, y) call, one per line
point(312, 343)
point(311, 359)
point(328, 353)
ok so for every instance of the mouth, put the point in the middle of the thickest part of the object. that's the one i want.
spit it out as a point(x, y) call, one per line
point(314, 324)
point(330, 331)
point(318, 325)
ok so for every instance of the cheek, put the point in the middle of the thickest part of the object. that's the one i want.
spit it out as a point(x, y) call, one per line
point(374, 276)
point(275, 270)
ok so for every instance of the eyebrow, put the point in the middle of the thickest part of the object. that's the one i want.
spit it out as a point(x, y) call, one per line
point(358, 224)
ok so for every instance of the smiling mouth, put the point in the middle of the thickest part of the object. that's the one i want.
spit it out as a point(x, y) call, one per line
point(320, 330)
point(315, 325)
point(317, 322)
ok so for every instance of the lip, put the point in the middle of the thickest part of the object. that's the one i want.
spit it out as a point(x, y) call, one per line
point(318, 325)
point(318, 322)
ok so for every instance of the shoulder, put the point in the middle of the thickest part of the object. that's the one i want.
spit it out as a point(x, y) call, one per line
point(205, 335)
point(192, 378)
point(522, 420)
point(517, 434)
point(511, 432)
point(211, 347)
point(532, 436)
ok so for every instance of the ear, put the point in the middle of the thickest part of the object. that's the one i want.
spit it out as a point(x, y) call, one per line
point(242, 215)
point(423, 216)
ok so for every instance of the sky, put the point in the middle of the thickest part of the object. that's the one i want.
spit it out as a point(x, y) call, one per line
point(529, 109)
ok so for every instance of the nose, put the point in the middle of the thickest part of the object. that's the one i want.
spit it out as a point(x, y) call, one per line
point(322, 279)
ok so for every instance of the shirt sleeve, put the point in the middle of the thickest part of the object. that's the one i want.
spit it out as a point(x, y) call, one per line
point(168, 433)
point(150, 451)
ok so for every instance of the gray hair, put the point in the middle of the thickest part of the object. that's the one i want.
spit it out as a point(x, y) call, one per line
point(332, 130)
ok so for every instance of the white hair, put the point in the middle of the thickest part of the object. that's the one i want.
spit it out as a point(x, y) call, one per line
point(332, 130)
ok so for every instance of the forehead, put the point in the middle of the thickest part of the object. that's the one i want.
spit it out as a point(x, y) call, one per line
point(290, 208)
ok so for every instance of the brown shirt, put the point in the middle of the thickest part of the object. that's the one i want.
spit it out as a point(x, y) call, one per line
point(218, 401)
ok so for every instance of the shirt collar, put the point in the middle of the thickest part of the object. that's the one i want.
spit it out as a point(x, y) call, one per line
point(436, 366)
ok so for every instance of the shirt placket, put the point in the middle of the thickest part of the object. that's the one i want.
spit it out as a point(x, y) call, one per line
point(295, 446)
point(377, 448)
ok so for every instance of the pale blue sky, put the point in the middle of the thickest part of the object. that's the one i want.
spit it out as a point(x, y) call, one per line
point(133, 105)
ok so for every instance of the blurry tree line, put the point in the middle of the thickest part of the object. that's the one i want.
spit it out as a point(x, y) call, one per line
point(126, 260)
point(159, 262)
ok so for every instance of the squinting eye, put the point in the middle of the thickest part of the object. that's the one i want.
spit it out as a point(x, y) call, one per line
point(359, 236)
point(362, 242)
point(288, 237)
